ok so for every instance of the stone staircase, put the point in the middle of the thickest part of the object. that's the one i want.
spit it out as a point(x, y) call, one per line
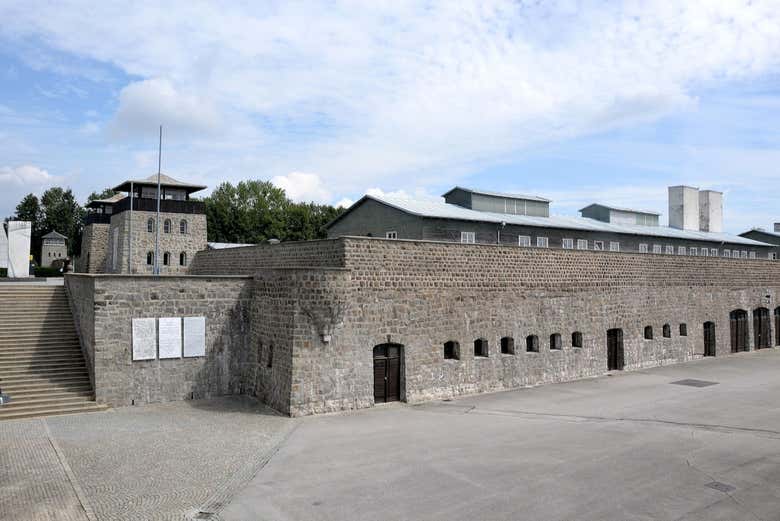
point(42, 368)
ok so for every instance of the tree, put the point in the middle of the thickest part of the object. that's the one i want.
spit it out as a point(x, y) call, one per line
point(61, 212)
point(255, 211)
point(29, 209)
point(105, 194)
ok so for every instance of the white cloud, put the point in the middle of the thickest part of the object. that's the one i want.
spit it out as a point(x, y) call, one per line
point(401, 93)
point(26, 175)
point(344, 202)
point(302, 187)
point(144, 105)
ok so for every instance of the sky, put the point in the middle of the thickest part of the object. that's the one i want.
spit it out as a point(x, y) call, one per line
point(576, 101)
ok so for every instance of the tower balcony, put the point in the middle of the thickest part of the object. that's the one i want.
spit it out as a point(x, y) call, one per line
point(166, 205)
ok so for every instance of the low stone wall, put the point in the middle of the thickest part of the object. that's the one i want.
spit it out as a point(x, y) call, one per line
point(227, 368)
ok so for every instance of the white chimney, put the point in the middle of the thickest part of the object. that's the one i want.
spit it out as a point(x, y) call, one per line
point(711, 211)
point(684, 207)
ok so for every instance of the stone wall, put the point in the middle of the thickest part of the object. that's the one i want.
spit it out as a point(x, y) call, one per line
point(423, 294)
point(227, 368)
point(143, 242)
point(81, 296)
point(94, 249)
point(248, 260)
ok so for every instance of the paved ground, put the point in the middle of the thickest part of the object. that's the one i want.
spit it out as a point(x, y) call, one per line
point(167, 461)
point(633, 446)
point(628, 447)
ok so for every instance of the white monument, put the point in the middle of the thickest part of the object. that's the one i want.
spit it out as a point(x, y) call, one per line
point(144, 339)
point(3, 247)
point(169, 340)
point(19, 234)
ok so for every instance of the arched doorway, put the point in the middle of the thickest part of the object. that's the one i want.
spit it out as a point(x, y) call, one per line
point(761, 328)
point(709, 339)
point(387, 372)
point(738, 322)
point(615, 355)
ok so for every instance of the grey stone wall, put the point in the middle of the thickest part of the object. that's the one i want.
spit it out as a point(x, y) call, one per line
point(81, 296)
point(248, 260)
point(94, 249)
point(422, 294)
point(143, 241)
point(227, 368)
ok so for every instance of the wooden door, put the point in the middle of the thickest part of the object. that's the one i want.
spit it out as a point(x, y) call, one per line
point(615, 356)
point(761, 335)
point(387, 373)
point(709, 339)
point(739, 330)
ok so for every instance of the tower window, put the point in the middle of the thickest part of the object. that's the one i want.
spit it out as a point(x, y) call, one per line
point(183, 258)
point(183, 226)
point(167, 226)
point(508, 345)
point(451, 350)
point(150, 225)
point(149, 258)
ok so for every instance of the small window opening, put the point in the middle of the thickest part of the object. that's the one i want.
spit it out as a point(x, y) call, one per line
point(648, 332)
point(667, 331)
point(451, 350)
point(270, 362)
point(183, 258)
point(508, 345)
point(150, 258)
point(683, 329)
point(576, 339)
point(480, 347)
point(532, 344)
point(150, 225)
point(183, 226)
point(555, 341)
point(167, 226)
point(166, 259)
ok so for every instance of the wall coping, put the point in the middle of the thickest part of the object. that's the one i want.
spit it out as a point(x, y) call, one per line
point(154, 277)
point(455, 244)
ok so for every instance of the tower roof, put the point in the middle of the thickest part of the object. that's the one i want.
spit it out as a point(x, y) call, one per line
point(165, 180)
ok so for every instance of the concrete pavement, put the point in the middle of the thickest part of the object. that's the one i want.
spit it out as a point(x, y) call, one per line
point(633, 446)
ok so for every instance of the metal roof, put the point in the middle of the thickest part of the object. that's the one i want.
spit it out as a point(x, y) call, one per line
point(110, 200)
point(444, 210)
point(499, 194)
point(619, 209)
point(761, 230)
point(226, 245)
point(54, 235)
point(165, 180)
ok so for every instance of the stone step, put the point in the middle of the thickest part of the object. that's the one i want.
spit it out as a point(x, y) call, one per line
point(10, 352)
point(46, 341)
point(38, 327)
point(35, 358)
point(54, 394)
point(44, 401)
point(43, 383)
point(8, 374)
point(20, 413)
point(6, 368)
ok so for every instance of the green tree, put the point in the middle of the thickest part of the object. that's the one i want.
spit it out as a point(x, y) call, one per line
point(61, 212)
point(29, 209)
point(255, 211)
point(105, 194)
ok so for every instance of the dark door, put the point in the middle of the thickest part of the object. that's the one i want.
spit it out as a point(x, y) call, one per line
point(615, 357)
point(761, 336)
point(738, 323)
point(709, 339)
point(777, 326)
point(387, 373)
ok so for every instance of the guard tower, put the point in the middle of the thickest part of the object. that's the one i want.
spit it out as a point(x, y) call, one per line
point(130, 221)
point(54, 248)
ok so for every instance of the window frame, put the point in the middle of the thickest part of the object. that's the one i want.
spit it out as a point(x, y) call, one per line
point(507, 344)
point(658, 249)
point(150, 225)
point(483, 351)
point(532, 344)
point(683, 329)
point(614, 246)
point(669, 249)
point(455, 347)
point(666, 331)
point(184, 227)
point(556, 342)
point(542, 242)
point(648, 333)
point(582, 244)
point(567, 243)
point(391, 235)
point(524, 241)
point(183, 258)
point(167, 226)
point(150, 258)
point(598, 245)
point(468, 237)
point(693, 251)
point(643, 248)
point(576, 340)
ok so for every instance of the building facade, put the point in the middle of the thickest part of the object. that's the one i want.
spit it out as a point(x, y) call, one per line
point(478, 217)
point(769, 237)
point(346, 323)
point(120, 233)
point(53, 248)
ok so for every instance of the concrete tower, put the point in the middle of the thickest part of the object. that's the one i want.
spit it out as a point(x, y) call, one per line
point(684, 207)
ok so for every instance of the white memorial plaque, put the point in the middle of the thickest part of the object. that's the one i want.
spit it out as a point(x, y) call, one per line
point(144, 339)
point(3, 247)
point(194, 336)
point(170, 337)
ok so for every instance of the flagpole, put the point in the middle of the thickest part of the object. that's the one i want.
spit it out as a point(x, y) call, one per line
point(157, 237)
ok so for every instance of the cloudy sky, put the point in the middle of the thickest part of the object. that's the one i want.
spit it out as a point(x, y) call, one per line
point(575, 101)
